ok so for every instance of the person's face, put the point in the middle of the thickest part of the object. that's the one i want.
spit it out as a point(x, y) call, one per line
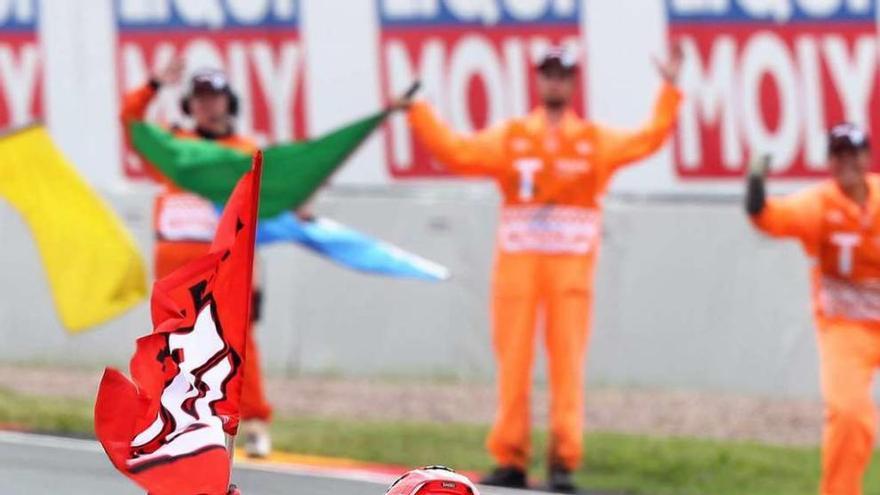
point(849, 167)
point(210, 110)
point(556, 87)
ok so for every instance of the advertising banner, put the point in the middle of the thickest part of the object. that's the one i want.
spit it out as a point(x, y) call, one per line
point(21, 86)
point(256, 42)
point(771, 77)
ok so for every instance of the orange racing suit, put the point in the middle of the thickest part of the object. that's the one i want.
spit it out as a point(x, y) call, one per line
point(843, 240)
point(552, 180)
point(184, 225)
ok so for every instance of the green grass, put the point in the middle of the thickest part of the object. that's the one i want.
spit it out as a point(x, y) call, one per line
point(614, 462)
point(49, 414)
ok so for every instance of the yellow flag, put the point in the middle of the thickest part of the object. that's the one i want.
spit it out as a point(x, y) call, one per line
point(95, 270)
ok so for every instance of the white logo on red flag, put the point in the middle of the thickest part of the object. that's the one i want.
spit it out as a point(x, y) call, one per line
point(187, 423)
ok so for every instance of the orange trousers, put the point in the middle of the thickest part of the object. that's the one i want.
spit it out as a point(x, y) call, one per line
point(169, 256)
point(557, 286)
point(850, 354)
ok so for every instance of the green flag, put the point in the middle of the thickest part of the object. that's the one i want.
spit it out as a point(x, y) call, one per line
point(292, 172)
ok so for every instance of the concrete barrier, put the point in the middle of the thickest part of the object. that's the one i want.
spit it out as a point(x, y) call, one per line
point(687, 296)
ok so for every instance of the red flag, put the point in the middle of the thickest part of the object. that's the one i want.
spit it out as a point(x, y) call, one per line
point(166, 428)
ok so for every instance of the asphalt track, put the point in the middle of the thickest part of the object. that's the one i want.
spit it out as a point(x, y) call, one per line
point(37, 464)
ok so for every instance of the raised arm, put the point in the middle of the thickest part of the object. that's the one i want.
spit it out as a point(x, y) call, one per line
point(797, 215)
point(617, 148)
point(480, 154)
point(136, 102)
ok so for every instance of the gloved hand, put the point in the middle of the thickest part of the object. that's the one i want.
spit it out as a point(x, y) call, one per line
point(756, 196)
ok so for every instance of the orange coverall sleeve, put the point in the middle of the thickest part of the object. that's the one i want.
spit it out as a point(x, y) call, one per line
point(617, 148)
point(798, 215)
point(136, 102)
point(134, 108)
point(480, 154)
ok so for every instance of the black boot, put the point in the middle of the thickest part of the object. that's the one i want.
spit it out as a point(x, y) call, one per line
point(506, 476)
point(559, 480)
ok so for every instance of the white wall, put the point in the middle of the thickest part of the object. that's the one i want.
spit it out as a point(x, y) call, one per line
point(687, 296)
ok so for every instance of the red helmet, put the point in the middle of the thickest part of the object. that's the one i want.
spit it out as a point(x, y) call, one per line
point(432, 480)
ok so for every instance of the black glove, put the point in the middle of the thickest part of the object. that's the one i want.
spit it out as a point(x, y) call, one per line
point(756, 195)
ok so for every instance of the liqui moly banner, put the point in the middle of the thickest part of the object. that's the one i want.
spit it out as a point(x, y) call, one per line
point(771, 76)
point(257, 42)
point(21, 87)
point(475, 59)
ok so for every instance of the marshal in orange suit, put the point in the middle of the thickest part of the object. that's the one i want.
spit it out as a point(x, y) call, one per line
point(552, 168)
point(184, 223)
point(838, 225)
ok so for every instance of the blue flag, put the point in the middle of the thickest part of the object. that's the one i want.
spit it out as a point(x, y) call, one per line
point(348, 247)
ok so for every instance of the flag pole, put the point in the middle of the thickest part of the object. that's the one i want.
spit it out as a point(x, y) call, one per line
point(230, 447)
point(407, 95)
point(413, 89)
point(257, 170)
